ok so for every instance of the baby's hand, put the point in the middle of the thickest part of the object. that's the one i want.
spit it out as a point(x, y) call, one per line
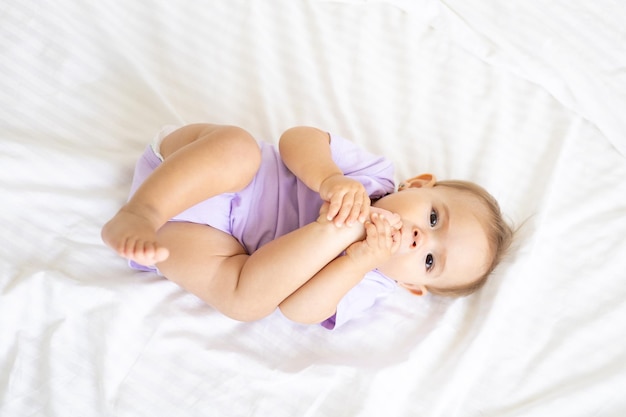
point(347, 198)
point(378, 245)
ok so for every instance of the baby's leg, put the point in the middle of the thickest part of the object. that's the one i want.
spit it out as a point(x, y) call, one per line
point(200, 161)
point(215, 267)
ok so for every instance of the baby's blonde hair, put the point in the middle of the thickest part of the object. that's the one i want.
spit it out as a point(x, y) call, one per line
point(499, 236)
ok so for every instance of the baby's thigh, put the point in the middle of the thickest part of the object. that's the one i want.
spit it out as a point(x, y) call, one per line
point(203, 260)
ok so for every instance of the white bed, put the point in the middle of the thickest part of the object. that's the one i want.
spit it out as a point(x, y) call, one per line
point(527, 99)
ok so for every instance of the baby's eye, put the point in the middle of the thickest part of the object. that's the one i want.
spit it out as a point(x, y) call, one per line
point(430, 261)
point(433, 218)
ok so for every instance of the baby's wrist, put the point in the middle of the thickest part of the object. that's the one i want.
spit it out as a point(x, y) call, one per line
point(325, 178)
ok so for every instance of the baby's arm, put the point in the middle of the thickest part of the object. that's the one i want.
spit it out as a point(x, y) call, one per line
point(318, 298)
point(306, 152)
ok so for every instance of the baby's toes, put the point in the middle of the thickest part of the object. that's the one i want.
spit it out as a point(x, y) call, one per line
point(145, 250)
point(153, 253)
point(160, 254)
point(135, 249)
point(144, 253)
point(128, 248)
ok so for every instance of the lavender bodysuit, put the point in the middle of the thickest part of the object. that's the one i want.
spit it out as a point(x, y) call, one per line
point(276, 202)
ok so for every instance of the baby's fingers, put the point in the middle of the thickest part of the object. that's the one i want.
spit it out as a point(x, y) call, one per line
point(363, 212)
point(335, 205)
point(359, 209)
point(345, 209)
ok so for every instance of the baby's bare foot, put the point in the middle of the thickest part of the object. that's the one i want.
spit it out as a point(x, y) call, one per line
point(394, 219)
point(133, 237)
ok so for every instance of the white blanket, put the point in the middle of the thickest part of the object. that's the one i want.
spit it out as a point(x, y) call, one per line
point(528, 100)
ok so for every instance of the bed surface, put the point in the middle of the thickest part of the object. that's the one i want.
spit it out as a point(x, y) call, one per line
point(527, 100)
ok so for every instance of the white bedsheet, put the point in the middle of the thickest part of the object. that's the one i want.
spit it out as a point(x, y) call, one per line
point(526, 99)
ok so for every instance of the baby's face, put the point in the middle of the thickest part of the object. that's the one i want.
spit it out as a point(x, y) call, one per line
point(443, 242)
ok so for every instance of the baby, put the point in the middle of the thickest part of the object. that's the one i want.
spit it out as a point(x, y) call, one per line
point(248, 227)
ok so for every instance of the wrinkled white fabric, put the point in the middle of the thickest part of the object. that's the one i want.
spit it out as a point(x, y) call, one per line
point(526, 100)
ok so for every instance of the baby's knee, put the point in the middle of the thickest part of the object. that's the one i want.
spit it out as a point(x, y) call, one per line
point(243, 141)
point(243, 147)
point(246, 307)
point(247, 312)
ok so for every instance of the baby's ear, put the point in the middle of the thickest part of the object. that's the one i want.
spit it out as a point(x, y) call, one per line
point(421, 181)
point(418, 290)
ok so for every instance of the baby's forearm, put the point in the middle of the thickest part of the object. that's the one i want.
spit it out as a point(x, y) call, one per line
point(280, 267)
point(306, 152)
point(318, 298)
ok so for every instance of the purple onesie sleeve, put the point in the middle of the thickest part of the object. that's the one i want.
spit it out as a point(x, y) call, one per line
point(374, 172)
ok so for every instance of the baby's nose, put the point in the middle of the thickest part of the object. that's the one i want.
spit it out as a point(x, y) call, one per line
point(417, 237)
